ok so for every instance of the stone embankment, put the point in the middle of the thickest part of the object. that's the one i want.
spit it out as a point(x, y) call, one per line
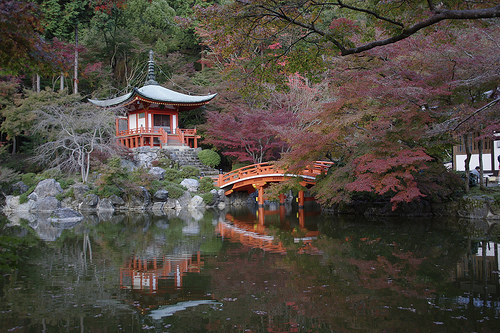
point(48, 200)
point(468, 207)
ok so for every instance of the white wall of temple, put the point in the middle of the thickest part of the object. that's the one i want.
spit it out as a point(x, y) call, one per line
point(132, 121)
point(141, 122)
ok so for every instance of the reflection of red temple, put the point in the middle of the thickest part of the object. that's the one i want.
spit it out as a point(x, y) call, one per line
point(146, 274)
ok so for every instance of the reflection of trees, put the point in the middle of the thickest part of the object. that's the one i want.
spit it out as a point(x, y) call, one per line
point(74, 282)
point(370, 277)
point(69, 286)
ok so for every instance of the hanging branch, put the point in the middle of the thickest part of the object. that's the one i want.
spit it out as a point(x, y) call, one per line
point(490, 104)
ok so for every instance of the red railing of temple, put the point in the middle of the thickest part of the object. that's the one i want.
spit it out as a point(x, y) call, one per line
point(138, 131)
point(262, 169)
point(155, 130)
point(181, 135)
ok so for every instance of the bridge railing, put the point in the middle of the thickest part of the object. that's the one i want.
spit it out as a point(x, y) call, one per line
point(246, 172)
point(266, 168)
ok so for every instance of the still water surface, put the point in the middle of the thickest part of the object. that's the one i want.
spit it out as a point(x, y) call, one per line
point(276, 270)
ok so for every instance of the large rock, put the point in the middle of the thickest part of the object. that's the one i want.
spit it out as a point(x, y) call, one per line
point(160, 196)
point(33, 196)
point(11, 203)
point(79, 191)
point(196, 202)
point(48, 188)
point(158, 208)
point(48, 204)
point(89, 203)
point(169, 204)
point(192, 185)
point(20, 187)
point(128, 165)
point(116, 201)
point(65, 215)
point(475, 207)
point(144, 156)
point(183, 201)
point(29, 206)
point(105, 205)
point(157, 172)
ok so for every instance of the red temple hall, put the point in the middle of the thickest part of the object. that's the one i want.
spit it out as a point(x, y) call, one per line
point(152, 115)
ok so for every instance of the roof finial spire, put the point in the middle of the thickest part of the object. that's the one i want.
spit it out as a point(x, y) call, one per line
point(151, 70)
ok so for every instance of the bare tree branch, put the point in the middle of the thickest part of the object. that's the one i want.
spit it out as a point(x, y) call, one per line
point(490, 104)
point(72, 134)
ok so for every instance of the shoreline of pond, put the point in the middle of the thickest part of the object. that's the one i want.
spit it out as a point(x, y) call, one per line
point(51, 202)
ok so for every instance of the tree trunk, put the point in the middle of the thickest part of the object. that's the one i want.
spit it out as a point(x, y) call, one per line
point(481, 178)
point(38, 83)
point(61, 86)
point(75, 76)
point(14, 144)
point(467, 162)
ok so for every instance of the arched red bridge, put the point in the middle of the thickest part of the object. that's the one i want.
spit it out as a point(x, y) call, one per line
point(258, 176)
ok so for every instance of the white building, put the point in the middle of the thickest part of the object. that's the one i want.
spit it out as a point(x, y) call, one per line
point(491, 153)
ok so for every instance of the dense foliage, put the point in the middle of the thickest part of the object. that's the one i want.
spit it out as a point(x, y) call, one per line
point(383, 89)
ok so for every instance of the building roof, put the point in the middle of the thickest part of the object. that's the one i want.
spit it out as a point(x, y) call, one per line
point(154, 93)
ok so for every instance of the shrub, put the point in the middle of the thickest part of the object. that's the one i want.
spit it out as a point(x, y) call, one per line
point(209, 157)
point(206, 184)
point(208, 198)
point(69, 193)
point(51, 173)
point(65, 183)
point(171, 175)
point(28, 178)
point(175, 191)
point(8, 176)
point(189, 171)
point(141, 177)
point(106, 191)
point(164, 163)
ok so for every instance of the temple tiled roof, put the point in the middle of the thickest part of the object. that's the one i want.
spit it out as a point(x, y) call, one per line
point(155, 93)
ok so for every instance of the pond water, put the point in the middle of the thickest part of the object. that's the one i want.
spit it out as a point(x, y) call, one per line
point(278, 270)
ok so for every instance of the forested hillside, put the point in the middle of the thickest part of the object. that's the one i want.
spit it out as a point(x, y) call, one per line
point(382, 88)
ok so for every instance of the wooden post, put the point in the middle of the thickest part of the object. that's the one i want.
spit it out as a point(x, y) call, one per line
point(300, 199)
point(282, 213)
point(262, 216)
point(219, 179)
point(302, 217)
point(261, 196)
point(282, 199)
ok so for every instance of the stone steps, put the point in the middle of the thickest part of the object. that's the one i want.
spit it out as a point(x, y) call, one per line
point(189, 156)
